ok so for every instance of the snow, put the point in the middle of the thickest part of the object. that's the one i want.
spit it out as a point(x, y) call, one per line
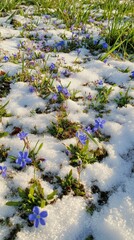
point(67, 216)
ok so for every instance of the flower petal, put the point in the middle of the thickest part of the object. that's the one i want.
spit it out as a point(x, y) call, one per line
point(36, 210)
point(43, 214)
point(32, 217)
point(42, 221)
point(36, 222)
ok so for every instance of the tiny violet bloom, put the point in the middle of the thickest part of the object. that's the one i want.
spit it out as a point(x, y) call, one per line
point(105, 61)
point(132, 74)
point(100, 82)
point(99, 122)
point(3, 171)
point(54, 97)
point(31, 89)
point(78, 51)
point(95, 42)
point(38, 217)
point(52, 67)
point(87, 36)
point(105, 45)
point(18, 45)
point(59, 88)
point(6, 58)
point(60, 44)
point(23, 159)
point(22, 135)
point(66, 73)
point(68, 153)
point(89, 97)
point(91, 20)
point(82, 137)
point(88, 129)
point(66, 92)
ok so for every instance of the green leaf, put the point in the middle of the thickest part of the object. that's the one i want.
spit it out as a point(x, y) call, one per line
point(4, 134)
point(13, 204)
point(91, 137)
point(39, 148)
point(51, 195)
point(22, 193)
point(43, 203)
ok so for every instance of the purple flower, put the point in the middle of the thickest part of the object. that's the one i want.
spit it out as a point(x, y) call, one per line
point(91, 20)
point(88, 129)
point(47, 16)
point(95, 42)
point(22, 135)
point(78, 51)
point(99, 122)
point(38, 217)
point(6, 58)
point(66, 92)
point(31, 89)
point(82, 137)
point(68, 153)
point(59, 88)
point(54, 97)
point(132, 74)
point(87, 36)
point(23, 159)
point(42, 55)
point(105, 61)
point(60, 44)
point(14, 55)
point(89, 97)
point(100, 82)
point(66, 73)
point(105, 45)
point(18, 45)
point(3, 171)
point(52, 67)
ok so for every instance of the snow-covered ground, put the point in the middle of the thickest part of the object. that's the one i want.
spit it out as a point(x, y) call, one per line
point(68, 218)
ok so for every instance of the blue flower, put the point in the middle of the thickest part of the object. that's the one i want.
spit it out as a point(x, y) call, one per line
point(105, 45)
point(59, 88)
point(91, 20)
point(100, 82)
point(52, 67)
point(6, 58)
point(95, 42)
point(78, 51)
point(132, 74)
point(31, 89)
point(22, 135)
point(82, 137)
point(54, 97)
point(38, 217)
point(105, 61)
point(66, 73)
point(60, 44)
point(65, 92)
point(87, 36)
point(3, 171)
point(23, 159)
point(99, 122)
point(88, 129)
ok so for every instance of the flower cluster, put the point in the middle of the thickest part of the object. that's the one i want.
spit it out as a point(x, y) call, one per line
point(63, 90)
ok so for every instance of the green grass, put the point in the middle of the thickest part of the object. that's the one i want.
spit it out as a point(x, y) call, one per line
point(119, 33)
